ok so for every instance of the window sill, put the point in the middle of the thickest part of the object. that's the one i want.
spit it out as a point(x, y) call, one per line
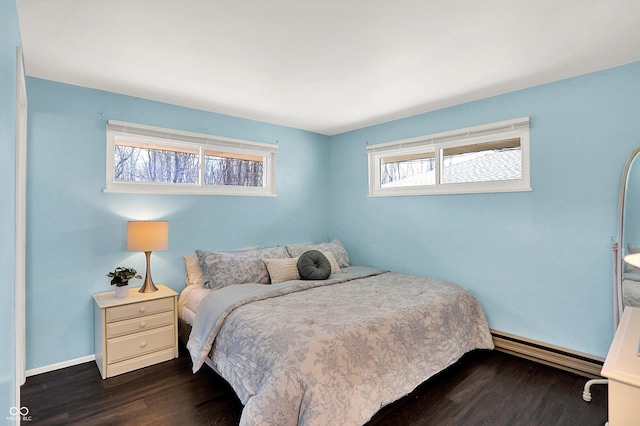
point(443, 190)
point(164, 190)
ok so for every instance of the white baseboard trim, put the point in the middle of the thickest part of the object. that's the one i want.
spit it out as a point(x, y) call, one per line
point(60, 365)
point(545, 353)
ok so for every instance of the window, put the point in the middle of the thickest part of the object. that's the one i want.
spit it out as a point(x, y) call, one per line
point(489, 158)
point(146, 159)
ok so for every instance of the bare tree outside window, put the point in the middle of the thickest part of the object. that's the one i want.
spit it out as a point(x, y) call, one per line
point(229, 169)
point(405, 170)
point(153, 165)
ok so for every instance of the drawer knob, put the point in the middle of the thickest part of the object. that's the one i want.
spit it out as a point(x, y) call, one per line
point(142, 309)
point(143, 324)
point(143, 344)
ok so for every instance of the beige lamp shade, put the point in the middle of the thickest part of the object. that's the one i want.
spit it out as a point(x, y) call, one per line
point(147, 236)
point(633, 259)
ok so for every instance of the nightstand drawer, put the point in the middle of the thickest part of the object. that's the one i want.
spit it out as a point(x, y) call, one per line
point(139, 362)
point(135, 325)
point(137, 344)
point(133, 310)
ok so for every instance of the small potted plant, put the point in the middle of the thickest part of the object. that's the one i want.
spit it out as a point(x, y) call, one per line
point(120, 278)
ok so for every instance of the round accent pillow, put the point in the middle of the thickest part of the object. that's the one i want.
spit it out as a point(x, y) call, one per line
point(313, 265)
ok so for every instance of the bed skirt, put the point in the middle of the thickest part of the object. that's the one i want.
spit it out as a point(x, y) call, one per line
point(184, 329)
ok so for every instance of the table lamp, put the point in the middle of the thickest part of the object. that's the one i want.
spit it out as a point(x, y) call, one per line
point(147, 236)
point(633, 259)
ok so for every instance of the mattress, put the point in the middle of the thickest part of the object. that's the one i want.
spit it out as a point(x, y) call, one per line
point(189, 301)
point(631, 293)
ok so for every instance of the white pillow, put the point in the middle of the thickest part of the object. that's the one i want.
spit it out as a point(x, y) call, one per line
point(282, 269)
point(335, 268)
point(193, 272)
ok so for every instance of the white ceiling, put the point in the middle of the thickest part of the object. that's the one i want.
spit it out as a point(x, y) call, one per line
point(326, 66)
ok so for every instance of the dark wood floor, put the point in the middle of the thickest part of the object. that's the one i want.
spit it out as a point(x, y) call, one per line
point(483, 388)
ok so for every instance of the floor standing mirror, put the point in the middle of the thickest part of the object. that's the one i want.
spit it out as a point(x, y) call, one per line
point(626, 252)
point(628, 280)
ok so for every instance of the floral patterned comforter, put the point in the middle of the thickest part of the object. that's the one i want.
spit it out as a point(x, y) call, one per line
point(335, 351)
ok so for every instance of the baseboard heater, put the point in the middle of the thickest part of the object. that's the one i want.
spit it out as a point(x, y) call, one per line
point(544, 353)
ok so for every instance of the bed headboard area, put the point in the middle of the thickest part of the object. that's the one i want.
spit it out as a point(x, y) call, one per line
point(218, 269)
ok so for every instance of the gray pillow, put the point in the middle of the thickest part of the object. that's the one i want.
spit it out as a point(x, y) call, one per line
point(335, 247)
point(224, 268)
point(313, 265)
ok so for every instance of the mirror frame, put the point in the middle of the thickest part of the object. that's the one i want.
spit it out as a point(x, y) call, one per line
point(618, 248)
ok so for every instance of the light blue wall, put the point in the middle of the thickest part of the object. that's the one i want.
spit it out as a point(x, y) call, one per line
point(9, 41)
point(76, 232)
point(539, 262)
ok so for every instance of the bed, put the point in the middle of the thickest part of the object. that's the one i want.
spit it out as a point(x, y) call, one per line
point(631, 280)
point(327, 351)
point(631, 289)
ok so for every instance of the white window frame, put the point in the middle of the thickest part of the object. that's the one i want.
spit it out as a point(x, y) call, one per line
point(515, 128)
point(119, 130)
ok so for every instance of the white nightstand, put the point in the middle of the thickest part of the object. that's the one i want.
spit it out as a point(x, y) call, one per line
point(135, 331)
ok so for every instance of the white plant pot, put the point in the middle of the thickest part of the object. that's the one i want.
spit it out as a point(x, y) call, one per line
point(122, 291)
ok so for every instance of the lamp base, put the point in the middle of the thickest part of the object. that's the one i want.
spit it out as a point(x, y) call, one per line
point(148, 286)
